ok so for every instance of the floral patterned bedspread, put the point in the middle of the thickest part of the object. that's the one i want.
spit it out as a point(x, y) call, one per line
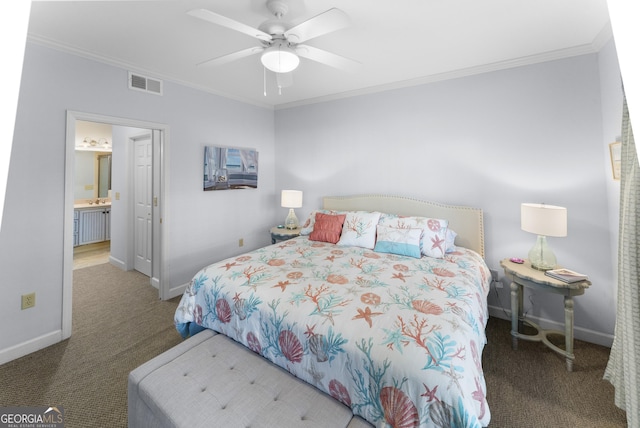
point(397, 339)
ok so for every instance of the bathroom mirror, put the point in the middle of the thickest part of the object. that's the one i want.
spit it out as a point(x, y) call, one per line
point(92, 175)
point(104, 175)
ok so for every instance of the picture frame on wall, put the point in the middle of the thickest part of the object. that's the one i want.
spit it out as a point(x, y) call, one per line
point(228, 168)
point(615, 151)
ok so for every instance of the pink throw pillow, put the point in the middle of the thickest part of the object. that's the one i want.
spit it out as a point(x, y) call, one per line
point(327, 228)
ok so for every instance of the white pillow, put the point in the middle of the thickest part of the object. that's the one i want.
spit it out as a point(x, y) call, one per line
point(450, 240)
point(404, 242)
point(359, 229)
point(434, 233)
point(307, 227)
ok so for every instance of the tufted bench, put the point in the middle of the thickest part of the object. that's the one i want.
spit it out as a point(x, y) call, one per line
point(210, 380)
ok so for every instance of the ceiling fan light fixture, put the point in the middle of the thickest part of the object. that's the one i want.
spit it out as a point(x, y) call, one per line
point(280, 59)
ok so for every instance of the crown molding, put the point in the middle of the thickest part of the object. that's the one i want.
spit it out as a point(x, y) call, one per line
point(46, 42)
point(598, 43)
point(455, 74)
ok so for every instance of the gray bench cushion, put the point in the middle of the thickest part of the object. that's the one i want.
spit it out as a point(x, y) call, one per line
point(210, 380)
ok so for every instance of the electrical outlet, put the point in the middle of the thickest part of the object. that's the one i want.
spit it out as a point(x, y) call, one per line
point(240, 242)
point(28, 300)
point(495, 278)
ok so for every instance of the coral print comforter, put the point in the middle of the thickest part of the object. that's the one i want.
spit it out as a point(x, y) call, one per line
point(398, 339)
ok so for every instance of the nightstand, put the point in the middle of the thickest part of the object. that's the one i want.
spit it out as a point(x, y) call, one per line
point(523, 275)
point(282, 234)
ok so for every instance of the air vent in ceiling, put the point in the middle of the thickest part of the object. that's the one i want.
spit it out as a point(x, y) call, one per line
point(145, 84)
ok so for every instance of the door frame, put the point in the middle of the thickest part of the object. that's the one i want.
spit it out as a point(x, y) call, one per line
point(159, 130)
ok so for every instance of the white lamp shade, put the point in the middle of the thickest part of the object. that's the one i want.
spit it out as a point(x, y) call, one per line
point(291, 199)
point(280, 59)
point(543, 220)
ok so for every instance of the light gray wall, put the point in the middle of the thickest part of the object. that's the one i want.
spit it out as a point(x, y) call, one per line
point(611, 93)
point(494, 141)
point(203, 226)
point(530, 134)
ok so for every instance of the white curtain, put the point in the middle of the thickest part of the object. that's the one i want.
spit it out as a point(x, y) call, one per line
point(623, 369)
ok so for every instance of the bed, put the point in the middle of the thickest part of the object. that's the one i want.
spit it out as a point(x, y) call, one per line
point(394, 335)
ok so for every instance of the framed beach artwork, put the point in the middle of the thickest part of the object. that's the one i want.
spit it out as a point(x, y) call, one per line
point(230, 168)
point(615, 150)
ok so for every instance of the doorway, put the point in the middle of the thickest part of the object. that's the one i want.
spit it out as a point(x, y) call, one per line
point(155, 135)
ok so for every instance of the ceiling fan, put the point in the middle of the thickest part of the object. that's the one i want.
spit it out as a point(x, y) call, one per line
point(281, 43)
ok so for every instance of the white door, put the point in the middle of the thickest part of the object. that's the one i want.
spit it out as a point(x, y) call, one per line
point(143, 186)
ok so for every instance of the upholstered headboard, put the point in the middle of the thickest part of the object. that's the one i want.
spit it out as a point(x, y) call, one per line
point(467, 222)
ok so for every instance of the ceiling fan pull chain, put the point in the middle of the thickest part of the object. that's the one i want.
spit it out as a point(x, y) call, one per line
point(264, 80)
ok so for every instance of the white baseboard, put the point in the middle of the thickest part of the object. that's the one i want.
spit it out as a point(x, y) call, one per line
point(26, 348)
point(155, 282)
point(580, 333)
point(118, 263)
point(178, 290)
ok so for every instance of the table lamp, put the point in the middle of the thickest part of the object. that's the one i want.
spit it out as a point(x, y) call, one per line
point(543, 220)
point(291, 199)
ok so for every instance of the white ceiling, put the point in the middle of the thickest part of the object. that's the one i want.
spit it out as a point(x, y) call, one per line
point(399, 42)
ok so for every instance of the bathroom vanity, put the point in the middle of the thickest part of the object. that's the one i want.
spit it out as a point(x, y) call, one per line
point(91, 223)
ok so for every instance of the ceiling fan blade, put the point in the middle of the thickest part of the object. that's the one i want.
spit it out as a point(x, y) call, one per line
point(327, 22)
point(232, 56)
point(328, 58)
point(223, 21)
point(284, 80)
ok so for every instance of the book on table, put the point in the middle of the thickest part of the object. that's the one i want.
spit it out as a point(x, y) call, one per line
point(566, 275)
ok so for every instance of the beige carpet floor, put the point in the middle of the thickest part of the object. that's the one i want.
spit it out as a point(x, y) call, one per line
point(530, 387)
point(119, 323)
